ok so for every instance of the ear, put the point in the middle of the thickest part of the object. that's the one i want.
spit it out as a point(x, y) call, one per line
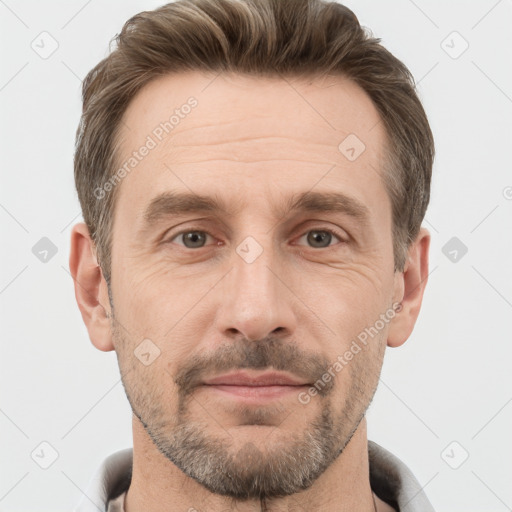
point(409, 287)
point(91, 290)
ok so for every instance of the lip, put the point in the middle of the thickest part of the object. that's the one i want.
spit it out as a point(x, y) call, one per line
point(255, 388)
point(266, 379)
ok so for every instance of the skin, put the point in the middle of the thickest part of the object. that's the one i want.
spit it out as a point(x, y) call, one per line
point(252, 142)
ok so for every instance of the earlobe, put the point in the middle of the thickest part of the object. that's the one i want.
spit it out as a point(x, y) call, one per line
point(409, 287)
point(91, 290)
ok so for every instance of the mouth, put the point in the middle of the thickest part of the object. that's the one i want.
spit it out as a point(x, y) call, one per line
point(255, 387)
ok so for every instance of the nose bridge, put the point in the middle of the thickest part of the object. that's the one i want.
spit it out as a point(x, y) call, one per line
point(256, 251)
point(252, 263)
point(255, 302)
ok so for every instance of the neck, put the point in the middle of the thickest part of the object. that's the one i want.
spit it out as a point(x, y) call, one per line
point(157, 485)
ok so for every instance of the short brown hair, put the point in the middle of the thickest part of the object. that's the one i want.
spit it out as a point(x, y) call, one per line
point(257, 37)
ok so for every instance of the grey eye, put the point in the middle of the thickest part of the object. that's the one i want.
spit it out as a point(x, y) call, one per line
point(192, 239)
point(319, 238)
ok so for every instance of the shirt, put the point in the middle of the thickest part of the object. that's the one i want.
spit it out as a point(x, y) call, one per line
point(390, 479)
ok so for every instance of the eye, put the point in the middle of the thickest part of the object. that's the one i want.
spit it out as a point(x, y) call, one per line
point(196, 239)
point(321, 238)
point(191, 239)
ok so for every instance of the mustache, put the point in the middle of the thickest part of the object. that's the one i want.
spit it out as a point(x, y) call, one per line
point(270, 353)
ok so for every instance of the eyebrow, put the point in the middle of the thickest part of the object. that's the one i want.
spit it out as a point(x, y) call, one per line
point(328, 202)
point(182, 203)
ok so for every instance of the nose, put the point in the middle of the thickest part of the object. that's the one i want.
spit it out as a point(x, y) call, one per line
point(255, 298)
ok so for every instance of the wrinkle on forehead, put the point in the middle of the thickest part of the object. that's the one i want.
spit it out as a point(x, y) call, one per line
point(234, 108)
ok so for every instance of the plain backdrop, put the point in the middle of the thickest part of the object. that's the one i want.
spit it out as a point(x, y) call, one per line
point(444, 402)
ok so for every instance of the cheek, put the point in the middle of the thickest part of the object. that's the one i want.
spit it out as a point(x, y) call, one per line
point(146, 375)
point(349, 298)
point(162, 305)
point(151, 297)
point(351, 306)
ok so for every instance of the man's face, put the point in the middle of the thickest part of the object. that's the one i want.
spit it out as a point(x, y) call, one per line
point(254, 287)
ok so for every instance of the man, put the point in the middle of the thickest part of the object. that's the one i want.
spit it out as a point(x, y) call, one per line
point(253, 175)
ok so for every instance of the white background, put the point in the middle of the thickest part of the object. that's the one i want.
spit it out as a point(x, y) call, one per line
point(450, 382)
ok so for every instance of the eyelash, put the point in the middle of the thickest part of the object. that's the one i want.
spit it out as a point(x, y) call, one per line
point(326, 230)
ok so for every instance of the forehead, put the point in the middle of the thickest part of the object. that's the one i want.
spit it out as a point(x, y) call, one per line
point(329, 106)
point(207, 133)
